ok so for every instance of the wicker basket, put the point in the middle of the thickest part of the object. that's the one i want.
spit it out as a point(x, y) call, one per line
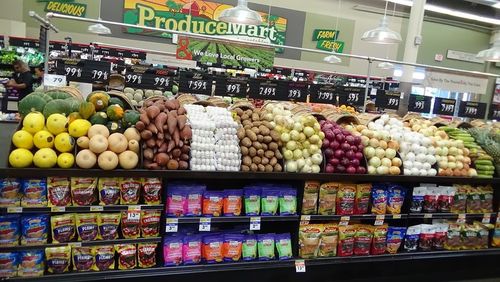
point(116, 82)
point(123, 97)
point(74, 92)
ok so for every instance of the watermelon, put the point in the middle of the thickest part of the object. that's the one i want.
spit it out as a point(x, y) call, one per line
point(56, 107)
point(99, 118)
point(58, 95)
point(31, 103)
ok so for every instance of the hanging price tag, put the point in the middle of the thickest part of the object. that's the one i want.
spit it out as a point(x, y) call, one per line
point(265, 89)
point(419, 104)
point(14, 209)
point(344, 220)
point(231, 87)
point(304, 219)
point(54, 80)
point(58, 209)
point(161, 81)
point(461, 218)
point(96, 208)
point(172, 225)
point(255, 223)
point(471, 109)
point(300, 266)
point(486, 218)
point(379, 219)
point(388, 100)
point(297, 91)
point(195, 83)
point(73, 72)
point(96, 70)
point(323, 94)
point(444, 106)
point(205, 224)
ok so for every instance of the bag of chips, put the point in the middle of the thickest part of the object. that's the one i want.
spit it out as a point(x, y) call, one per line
point(212, 203)
point(58, 259)
point(430, 204)
point(212, 248)
point(327, 198)
point(83, 258)
point(345, 199)
point(459, 200)
point(445, 199)
point(362, 200)
point(426, 239)
point(191, 249)
point(109, 191)
point(9, 264)
point(473, 200)
point(395, 236)
point(127, 256)
point(346, 241)
point(83, 190)
point(34, 229)
point(362, 240)
point(486, 198)
point(9, 230)
point(269, 201)
point(395, 199)
point(146, 255)
point(379, 242)
point(63, 228)
point(86, 226)
point(288, 201)
point(104, 258)
point(252, 200)
point(176, 200)
point(195, 200)
point(309, 240)
point(151, 191)
point(9, 192)
point(131, 224)
point(440, 231)
point(379, 199)
point(150, 223)
point(232, 202)
point(453, 237)
point(108, 225)
point(31, 263)
point(310, 199)
point(130, 190)
point(249, 247)
point(417, 200)
point(34, 192)
point(329, 240)
point(411, 238)
point(59, 191)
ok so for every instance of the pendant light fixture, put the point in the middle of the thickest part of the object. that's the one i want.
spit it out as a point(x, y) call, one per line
point(241, 14)
point(382, 34)
point(387, 65)
point(99, 28)
point(492, 54)
point(332, 59)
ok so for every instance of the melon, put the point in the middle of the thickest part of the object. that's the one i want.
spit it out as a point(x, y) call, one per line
point(117, 142)
point(31, 103)
point(128, 160)
point(98, 129)
point(56, 107)
point(98, 144)
point(107, 160)
point(58, 95)
point(132, 134)
point(83, 142)
point(85, 159)
point(73, 104)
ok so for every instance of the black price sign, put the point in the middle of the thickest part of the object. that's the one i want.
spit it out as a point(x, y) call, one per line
point(494, 112)
point(352, 96)
point(231, 87)
point(419, 104)
point(133, 79)
point(323, 94)
point(265, 90)
point(297, 91)
point(444, 106)
point(72, 69)
point(388, 100)
point(96, 71)
point(471, 109)
point(195, 83)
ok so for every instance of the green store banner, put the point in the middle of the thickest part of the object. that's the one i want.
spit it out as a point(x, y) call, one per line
point(199, 17)
point(65, 7)
point(218, 53)
point(330, 45)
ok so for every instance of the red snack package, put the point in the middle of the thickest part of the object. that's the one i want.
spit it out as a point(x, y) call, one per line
point(363, 240)
point(150, 224)
point(83, 258)
point(346, 241)
point(131, 222)
point(59, 191)
point(151, 191)
point(109, 191)
point(83, 190)
point(130, 190)
point(104, 258)
point(345, 199)
point(126, 256)
point(379, 240)
point(146, 253)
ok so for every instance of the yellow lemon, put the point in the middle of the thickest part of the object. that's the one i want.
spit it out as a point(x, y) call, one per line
point(65, 160)
point(33, 122)
point(64, 142)
point(79, 127)
point(57, 123)
point(45, 158)
point(22, 139)
point(43, 139)
point(20, 158)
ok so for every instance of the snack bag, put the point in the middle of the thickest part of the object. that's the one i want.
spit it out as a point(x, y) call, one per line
point(310, 200)
point(9, 192)
point(327, 198)
point(411, 238)
point(83, 258)
point(108, 226)
point(130, 190)
point(195, 200)
point(395, 236)
point(345, 199)
point(150, 223)
point(473, 200)
point(288, 202)
point(131, 224)
point(362, 199)
point(417, 200)
point(426, 239)
point(34, 192)
point(31, 263)
point(58, 259)
point(265, 246)
point(151, 191)
point(362, 240)
point(379, 200)
point(191, 249)
point(486, 198)
point(212, 203)
point(379, 242)
point(176, 201)
point(445, 199)
point(469, 237)
point(9, 262)
point(9, 230)
point(104, 258)
point(172, 250)
point(86, 226)
point(59, 191)
point(146, 255)
point(109, 191)
point(34, 229)
point(430, 200)
point(231, 248)
point(395, 199)
point(269, 201)
point(309, 240)
point(232, 202)
point(212, 248)
point(459, 199)
point(63, 228)
point(252, 200)
point(329, 241)
point(249, 247)
point(83, 190)
point(127, 256)
point(453, 237)
point(284, 246)
point(346, 241)
point(483, 232)
point(440, 231)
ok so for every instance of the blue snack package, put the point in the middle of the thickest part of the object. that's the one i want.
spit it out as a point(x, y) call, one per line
point(232, 202)
point(288, 202)
point(9, 192)
point(34, 192)
point(172, 250)
point(249, 247)
point(176, 200)
point(395, 236)
point(265, 246)
point(31, 263)
point(411, 238)
point(395, 199)
point(9, 230)
point(269, 201)
point(284, 246)
point(232, 246)
point(379, 199)
point(212, 248)
point(195, 200)
point(9, 263)
point(34, 229)
point(252, 200)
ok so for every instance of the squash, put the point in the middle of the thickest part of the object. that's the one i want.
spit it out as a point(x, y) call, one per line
point(46, 97)
point(73, 103)
point(131, 117)
point(115, 112)
point(114, 127)
point(58, 95)
point(56, 107)
point(31, 103)
point(86, 109)
point(99, 99)
point(116, 101)
point(73, 116)
point(99, 118)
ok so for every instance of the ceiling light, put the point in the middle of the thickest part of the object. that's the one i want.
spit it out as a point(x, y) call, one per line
point(382, 34)
point(241, 14)
point(99, 29)
point(385, 66)
point(332, 59)
point(492, 54)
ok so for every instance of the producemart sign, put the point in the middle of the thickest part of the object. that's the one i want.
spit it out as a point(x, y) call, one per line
point(199, 17)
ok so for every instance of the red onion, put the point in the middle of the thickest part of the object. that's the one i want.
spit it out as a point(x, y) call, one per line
point(329, 135)
point(345, 147)
point(351, 170)
point(358, 156)
point(339, 153)
point(328, 152)
point(337, 131)
point(349, 139)
point(345, 161)
point(334, 144)
point(361, 147)
point(361, 170)
point(354, 148)
point(355, 163)
point(346, 132)
point(357, 140)
point(328, 126)
point(334, 161)
point(350, 154)
point(340, 168)
point(329, 168)
point(326, 144)
point(322, 122)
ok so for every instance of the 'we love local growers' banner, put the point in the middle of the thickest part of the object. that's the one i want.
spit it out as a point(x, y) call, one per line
point(199, 17)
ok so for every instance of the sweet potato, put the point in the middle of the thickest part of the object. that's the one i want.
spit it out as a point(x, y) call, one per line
point(160, 135)
point(183, 165)
point(176, 136)
point(160, 106)
point(160, 120)
point(176, 104)
point(148, 154)
point(161, 159)
point(163, 147)
point(148, 103)
point(181, 111)
point(153, 166)
point(159, 143)
point(185, 149)
point(140, 126)
point(181, 121)
point(184, 157)
point(146, 135)
point(152, 111)
point(186, 133)
point(171, 122)
point(173, 165)
point(170, 105)
point(171, 145)
point(176, 153)
point(144, 118)
point(151, 142)
point(151, 127)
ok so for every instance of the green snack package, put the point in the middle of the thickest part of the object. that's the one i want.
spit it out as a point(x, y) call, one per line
point(249, 248)
point(265, 245)
point(284, 246)
point(252, 200)
point(288, 202)
point(270, 201)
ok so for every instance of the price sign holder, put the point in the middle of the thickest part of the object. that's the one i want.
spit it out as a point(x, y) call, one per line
point(352, 96)
point(231, 86)
point(172, 225)
point(54, 80)
point(71, 68)
point(344, 220)
point(205, 223)
point(494, 113)
point(96, 208)
point(444, 106)
point(304, 219)
point(266, 89)
point(96, 71)
point(486, 218)
point(255, 223)
point(471, 110)
point(195, 83)
point(297, 91)
point(57, 209)
point(300, 266)
point(379, 220)
point(419, 104)
point(461, 218)
point(323, 94)
point(14, 209)
point(388, 100)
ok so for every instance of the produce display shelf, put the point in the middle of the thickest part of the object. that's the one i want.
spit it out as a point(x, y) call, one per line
point(237, 219)
point(95, 208)
point(450, 215)
point(354, 217)
point(83, 244)
point(258, 265)
point(188, 174)
point(9, 121)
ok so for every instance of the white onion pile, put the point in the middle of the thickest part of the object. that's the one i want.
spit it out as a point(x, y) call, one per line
point(227, 149)
point(203, 140)
point(417, 153)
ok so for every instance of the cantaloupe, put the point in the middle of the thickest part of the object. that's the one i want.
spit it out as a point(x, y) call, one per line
point(128, 160)
point(98, 144)
point(117, 142)
point(85, 159)
point(132, 134)
point(98, 129)
point(107, 160)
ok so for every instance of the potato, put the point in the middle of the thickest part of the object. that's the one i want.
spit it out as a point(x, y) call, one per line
point(254, 167)
point(261, 167)
point(245, 168)
point(255, 117)
point(239, 111)
point(264, 130)
point(249, 112)
point(257, 123)
point(264, 146)
point(273, 146)
point(277, 168)
point(264, 160)
point(260, 138)
point(245, 117)
point(255, 129)
point(246, 142)
point(269, 168)
point(256, 160)
point(257, 145)
point(273, 161)
point(241, 133)
point(267, 124)
point(267, 139)
point(252, 152)
point(250, 134)
point(275, 135)
point(269, 154)
point(247, 160)
point(260, 153)
point(244, 151)
point(278, 154)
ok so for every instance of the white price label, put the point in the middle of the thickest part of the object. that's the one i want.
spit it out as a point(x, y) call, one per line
point(300, 265)
point(205, 223)
point(344, 220)
point(428, 215)
point(134, 216)
point(134, 208)
point(54, 80)
point(75, 244)
point(96, 208)
point(486, 218)
point(14, 210)
point(396, 216)
point(58, 209)
point(172, 225)
point(255, 223)
point(379, 219)
point(304, 219)
point(461, 218)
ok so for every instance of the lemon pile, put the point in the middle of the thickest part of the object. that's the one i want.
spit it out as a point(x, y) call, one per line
point(46, 143)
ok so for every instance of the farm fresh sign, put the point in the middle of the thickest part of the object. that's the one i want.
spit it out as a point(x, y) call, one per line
point(326, 39)
point(199, 17)
point(218, 53)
